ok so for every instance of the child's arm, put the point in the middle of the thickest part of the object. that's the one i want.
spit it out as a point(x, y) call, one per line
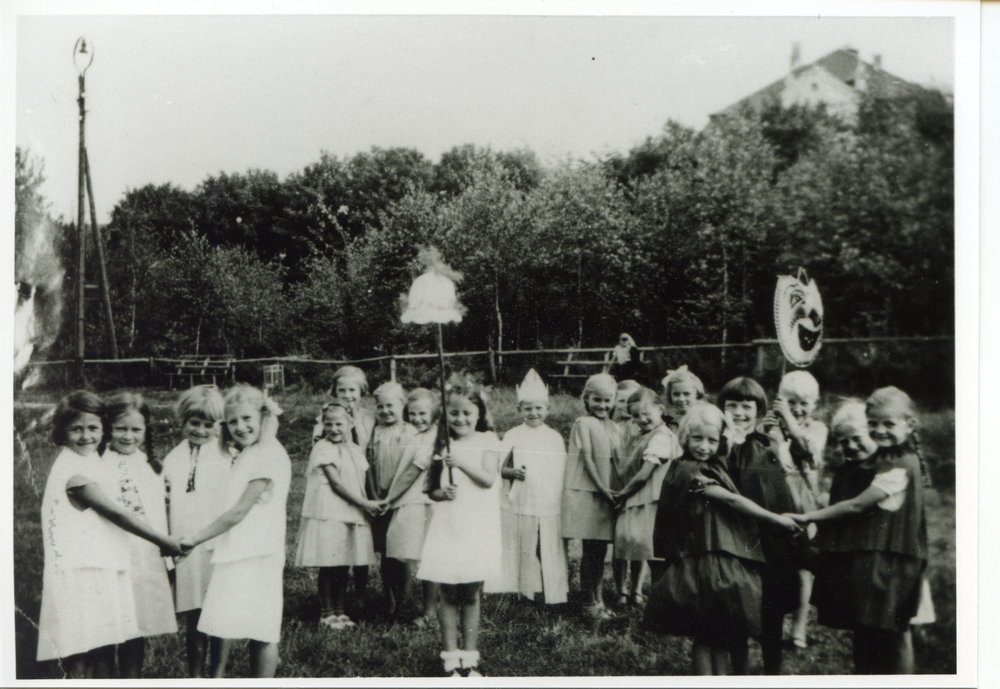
point(402, 482)
point(796, 433)
point(637, 481)
point(333, 476)
point(93, 497)
point(869, 498)
point(233, 516)
point(749, 507)
point(482, 473)
point(507, 469)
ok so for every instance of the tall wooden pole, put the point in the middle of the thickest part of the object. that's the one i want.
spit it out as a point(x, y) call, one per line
point(82, 243)
point(105, 290)
point(444, 401)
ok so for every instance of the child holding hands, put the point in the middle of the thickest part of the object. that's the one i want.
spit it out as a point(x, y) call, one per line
point(244, 597)
point(706, 533)
point(334, 533)
point(589, 503)
point(462, 548)
point(534, 553)
point(652, 450)
point(873, 536)
point(196, 475)
point(88, 603)
point(411, 506)
point(138, 488)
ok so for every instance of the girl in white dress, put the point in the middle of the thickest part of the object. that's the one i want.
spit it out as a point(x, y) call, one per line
point(334, 533)
point(463, 543)
point(389, 441)
point(244, 598)
point(88, 604)
point(196, 474)
point(411, 506)
point(534, 553)
point(137, 486)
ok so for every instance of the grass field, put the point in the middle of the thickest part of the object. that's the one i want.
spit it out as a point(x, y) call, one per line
point(518, 637)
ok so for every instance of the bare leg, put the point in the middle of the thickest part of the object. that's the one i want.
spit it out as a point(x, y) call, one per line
point(196, 644)
point(738, 652)
point(720, 658)
point(325, 588)
point(225, 646)
point(130, 656)
point(638, 576)
point(898, 651)
point(701, 658)
point(263, 658)
point(338, 578)
point(801, 619)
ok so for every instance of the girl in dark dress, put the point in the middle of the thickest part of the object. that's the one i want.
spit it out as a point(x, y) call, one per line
point(773, 480)
point(706, 533)
point(873, 537)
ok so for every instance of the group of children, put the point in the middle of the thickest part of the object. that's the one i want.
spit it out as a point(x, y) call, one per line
point(722, 503)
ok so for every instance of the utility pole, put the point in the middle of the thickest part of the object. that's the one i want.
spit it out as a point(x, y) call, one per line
point(82, 58)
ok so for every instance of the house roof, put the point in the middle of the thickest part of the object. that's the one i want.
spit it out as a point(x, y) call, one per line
point(841, 64)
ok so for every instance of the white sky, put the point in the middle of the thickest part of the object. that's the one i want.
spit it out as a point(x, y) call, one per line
point(177, 98)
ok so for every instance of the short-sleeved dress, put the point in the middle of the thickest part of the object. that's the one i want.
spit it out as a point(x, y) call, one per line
point(585, 512)
point(712, 554)
point(197, 481)
point(871, 566)
point(385, 452)
point(87, 597)
point(333, 532)
point(463, 541)
point(761, 476)
point(413, 509)
point(634, 529)
point(244, 598)
point(138, 489)
point(532, 527)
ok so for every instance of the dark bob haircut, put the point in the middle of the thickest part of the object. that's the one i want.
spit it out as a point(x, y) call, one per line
point(71, 406)
point(743, 389)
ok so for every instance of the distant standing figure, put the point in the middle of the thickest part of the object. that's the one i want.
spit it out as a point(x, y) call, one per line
point(625, 364)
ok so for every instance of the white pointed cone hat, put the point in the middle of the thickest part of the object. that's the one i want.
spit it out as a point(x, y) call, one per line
point(532, 388)
point(432, 299)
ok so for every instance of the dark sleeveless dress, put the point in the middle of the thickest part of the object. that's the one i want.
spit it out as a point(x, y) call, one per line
point(712, 582)
point(871, 565)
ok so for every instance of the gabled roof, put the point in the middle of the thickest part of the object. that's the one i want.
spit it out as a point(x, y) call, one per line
point(841, 64)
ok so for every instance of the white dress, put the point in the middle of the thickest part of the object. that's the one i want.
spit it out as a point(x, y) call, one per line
point(87, 599)
point(532, 511)
point(411, 516)
point(139, 490)
point(463, 541)
point(245, 597)
point(197, 479)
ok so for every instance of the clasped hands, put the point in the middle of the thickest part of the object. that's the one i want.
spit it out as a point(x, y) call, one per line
point(177, 547)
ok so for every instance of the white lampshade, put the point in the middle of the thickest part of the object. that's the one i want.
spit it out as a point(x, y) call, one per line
point(432, 299)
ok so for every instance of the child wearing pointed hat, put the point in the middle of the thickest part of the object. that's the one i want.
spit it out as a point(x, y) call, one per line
point(534, 553)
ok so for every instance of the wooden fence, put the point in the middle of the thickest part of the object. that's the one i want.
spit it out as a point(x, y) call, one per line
point(495, 357)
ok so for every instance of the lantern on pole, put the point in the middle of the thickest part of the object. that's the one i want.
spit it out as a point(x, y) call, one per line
point(432, 299)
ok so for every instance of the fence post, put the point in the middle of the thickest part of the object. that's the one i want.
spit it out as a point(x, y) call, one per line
point(758, 367)
point(493, 367)
point(392, 369)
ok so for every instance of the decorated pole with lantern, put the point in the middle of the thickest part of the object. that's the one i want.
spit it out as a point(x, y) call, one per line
point(798, 318)
point(432, 299)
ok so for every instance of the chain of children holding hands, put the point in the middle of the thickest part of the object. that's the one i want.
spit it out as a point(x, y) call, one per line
point(722, 501)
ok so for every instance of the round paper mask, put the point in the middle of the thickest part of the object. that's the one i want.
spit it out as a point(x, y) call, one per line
point(798, 317)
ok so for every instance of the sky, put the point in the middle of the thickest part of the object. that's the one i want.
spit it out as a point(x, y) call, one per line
point(174, 99)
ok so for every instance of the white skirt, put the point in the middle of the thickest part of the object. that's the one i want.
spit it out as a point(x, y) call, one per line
point(154, 603)
point(84, 609)
point(192, 576)
point(244, 599)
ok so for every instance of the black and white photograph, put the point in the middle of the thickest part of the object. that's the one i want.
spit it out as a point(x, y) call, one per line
point(401, 343)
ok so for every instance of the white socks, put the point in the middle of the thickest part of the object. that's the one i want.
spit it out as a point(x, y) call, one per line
point(453, 660)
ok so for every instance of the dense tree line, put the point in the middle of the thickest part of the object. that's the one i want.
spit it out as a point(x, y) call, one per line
point(678, 241)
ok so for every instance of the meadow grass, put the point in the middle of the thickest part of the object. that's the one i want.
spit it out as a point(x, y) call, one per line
point(518, 637)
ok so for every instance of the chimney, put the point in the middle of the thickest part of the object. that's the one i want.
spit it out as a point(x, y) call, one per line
point(860, 73)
